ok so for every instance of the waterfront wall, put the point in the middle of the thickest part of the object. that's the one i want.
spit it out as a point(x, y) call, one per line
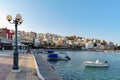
point(46, 69)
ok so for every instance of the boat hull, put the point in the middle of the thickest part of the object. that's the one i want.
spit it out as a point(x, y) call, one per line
point(58, 57)
point(94, 64)
point(64, 59)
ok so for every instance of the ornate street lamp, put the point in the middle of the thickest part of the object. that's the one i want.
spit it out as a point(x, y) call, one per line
point(17, 21)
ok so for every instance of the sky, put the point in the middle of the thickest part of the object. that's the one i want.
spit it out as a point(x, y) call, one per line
point(98, 19)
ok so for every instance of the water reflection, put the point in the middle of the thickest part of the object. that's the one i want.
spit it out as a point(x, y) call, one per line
point(96, 68)
point(52, 61)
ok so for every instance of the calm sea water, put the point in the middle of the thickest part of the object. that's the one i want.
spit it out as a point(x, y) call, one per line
point(75, 69)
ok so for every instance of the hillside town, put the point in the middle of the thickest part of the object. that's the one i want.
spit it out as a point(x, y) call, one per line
point(48, 40)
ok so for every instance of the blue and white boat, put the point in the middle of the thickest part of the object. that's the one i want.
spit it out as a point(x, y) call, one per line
point(56, 56)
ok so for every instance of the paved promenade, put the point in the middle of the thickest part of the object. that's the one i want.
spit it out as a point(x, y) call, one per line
point(26, 64)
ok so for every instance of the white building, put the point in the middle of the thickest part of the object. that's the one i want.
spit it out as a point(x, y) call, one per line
point(89, 45)
point(37, 42)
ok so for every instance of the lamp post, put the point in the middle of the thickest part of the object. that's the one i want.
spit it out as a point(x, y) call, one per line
point(17, 21)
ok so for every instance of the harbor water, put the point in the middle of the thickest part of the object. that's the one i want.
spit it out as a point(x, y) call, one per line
point(76, 70)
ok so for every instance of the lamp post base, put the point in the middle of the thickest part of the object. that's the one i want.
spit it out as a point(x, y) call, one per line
point(15, 70)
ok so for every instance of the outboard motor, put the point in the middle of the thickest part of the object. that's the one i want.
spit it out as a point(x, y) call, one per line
point(68, 57)
point(105, 61)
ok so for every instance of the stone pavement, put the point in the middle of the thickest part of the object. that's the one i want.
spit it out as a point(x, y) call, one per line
point(26, 64)
point(5, 66)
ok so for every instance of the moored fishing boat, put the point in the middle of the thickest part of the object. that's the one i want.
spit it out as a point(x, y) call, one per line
point(56, 56)
point(96, 63)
